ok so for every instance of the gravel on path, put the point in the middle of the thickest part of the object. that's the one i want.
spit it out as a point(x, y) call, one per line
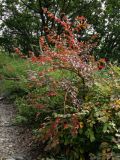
point(15, 141)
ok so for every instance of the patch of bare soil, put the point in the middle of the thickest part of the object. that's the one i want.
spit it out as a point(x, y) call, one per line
point(15, 141)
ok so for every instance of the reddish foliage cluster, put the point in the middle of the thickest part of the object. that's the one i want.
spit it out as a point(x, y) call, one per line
point(102, 63)
point(65, 50)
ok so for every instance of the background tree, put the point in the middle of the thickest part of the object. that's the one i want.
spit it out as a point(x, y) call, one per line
point(25, 21)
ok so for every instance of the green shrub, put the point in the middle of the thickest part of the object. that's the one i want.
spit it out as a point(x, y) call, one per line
point(75, 132)
point(26, 113)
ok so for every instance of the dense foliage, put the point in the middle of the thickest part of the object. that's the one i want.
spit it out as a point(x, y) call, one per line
point(69, 96)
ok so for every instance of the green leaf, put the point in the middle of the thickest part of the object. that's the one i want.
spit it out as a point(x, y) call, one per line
point(90, 134)
point(105, 127)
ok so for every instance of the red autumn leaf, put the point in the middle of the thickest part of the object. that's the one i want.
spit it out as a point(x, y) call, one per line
point(57, 120)
point(54, 125)
point(33, 59)
point(17, 50)
point(65, 125)
point(39, 106)
point(51, 93)
point(101, 67)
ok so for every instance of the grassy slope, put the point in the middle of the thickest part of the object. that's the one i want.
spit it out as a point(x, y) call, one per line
point(10, 68)
point(13, 71)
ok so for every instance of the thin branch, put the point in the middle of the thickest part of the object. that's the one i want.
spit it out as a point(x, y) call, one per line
point(65, 99)
point(29, 7)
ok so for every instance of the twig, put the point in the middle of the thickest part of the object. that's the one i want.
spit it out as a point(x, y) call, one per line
point(65, 98)
point(15, 79)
